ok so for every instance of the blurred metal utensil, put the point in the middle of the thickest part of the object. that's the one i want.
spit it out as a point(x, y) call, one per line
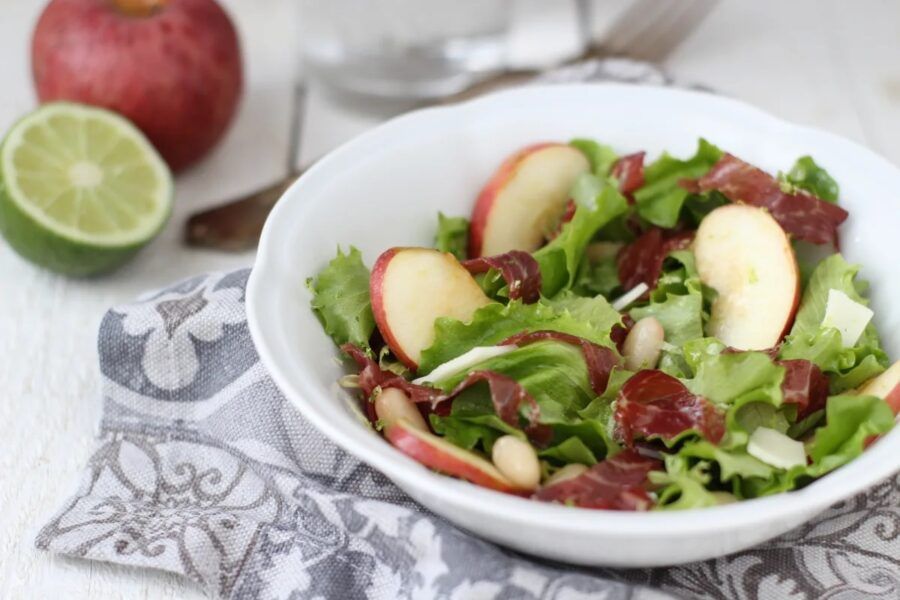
point(650, 29)
point(647, 30)
point(237, 224)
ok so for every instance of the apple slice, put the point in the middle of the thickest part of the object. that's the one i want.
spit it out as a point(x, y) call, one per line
point(885, 386)
point(410, 288)
point(440, 455)
point(524, 199)
point(745, 255)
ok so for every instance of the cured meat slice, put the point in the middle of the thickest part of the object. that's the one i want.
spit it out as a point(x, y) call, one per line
point(617, 483)
point(653, 403)
point(800, 214)
point(518, 268)
point(641, 261)
point(629, 172)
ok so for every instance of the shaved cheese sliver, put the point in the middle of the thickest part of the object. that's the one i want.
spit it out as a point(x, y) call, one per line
point(774, 448)
point(847, 316)
point(463, 362)
point(630, 296)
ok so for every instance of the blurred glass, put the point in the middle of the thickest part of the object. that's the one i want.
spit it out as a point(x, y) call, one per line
point(404, 49)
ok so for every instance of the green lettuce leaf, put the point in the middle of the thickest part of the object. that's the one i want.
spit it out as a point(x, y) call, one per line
point(600, 408)
point(597, 203)
point(601, 157)
point(452, 235)
point(697, 350)
point(556, 376)
point(697, 206)
point(739, 378)
point(832, 272)
point(554, 373)
point(684, 486)
point(596, 313)
point(679, 315)
point(590, 318)
point(661, 199)
point(681, 305)
point(341, 299)
point(732, 463)
point(570, 450)
point(597, 278)
point(472, 422)
point(807, 175)
point(849, 422)
point(846, 367)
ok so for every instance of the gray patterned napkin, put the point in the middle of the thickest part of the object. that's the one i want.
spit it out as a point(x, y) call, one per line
point(205, 469)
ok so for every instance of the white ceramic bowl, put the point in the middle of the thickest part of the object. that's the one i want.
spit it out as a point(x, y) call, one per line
point(385, 188)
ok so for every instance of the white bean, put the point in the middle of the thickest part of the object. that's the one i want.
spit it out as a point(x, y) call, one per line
point(643, 344)
point(518, 461)
point(392, 404)
point(569, 471)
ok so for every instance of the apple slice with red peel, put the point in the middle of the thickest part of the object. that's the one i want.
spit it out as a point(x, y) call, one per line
point(440, 455)
point(885, 386)
point(524, 199)
point(410, 288)
point(745, 255)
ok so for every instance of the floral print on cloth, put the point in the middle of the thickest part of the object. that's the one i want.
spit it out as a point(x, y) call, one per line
point(209, 472)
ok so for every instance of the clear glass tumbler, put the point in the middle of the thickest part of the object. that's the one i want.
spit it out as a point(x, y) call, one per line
point(404, 49)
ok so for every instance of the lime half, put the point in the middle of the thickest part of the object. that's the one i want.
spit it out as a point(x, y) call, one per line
point(81, 189)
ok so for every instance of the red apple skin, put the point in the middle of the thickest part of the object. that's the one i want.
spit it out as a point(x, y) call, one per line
point(490, 192)
point(176, 72)
point(889, 380)
point(449, 301)
point(376, 293)
point(426, 448)
point(893, 399)
point(793, 313)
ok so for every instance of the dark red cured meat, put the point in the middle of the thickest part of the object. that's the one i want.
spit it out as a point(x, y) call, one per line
point(567, 216)
point(372, 376)
point(802, 215)
point(629, 172)
point(641, 261)
point(637, 262)
point(804, 385)
point(618, 333)
point(519, 269)
point(600, 360)
point(653, 403)
point(506, 393)
point(617, 483)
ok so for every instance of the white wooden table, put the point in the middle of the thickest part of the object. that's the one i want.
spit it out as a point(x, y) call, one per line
point(828, 63)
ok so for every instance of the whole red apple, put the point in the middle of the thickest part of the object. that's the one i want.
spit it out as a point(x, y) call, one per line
point(173, 67)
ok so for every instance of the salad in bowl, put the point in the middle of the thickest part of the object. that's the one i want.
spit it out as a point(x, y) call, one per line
point(609, 333)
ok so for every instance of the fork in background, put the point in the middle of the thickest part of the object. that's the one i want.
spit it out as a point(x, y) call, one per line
point(647, 30)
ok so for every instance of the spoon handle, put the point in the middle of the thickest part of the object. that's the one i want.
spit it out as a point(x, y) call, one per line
point(236, 225)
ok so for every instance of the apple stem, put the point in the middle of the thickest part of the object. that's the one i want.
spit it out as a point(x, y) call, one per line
point(139, 8)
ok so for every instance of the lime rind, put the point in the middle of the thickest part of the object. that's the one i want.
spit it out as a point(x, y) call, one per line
point(60, 144)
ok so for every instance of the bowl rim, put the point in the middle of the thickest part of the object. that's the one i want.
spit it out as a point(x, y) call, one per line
point(878, 462)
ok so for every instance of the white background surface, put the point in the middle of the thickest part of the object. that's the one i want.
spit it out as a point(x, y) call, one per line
point(831, 64)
